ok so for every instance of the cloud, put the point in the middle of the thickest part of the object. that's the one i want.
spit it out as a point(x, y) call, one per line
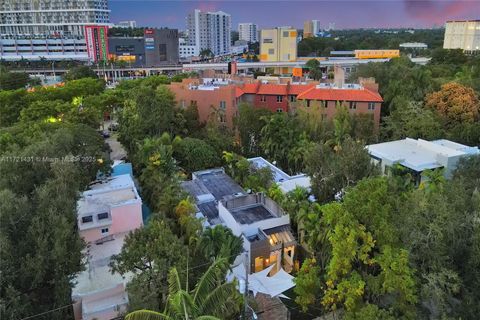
point(437, 12)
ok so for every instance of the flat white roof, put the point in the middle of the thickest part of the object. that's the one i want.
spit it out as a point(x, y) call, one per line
point(419, 154)
point(97, 276)
point(286, 182)
point(104, 194)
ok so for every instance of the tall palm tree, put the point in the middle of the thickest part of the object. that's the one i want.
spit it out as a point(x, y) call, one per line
point(219, 241)
point(211, 299)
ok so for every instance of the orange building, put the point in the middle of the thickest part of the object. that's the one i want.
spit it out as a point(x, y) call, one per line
point(213, 97)
point(221, 97)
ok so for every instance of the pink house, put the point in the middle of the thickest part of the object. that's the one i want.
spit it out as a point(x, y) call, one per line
point(107, 212)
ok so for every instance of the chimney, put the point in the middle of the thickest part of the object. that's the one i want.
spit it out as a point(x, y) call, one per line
point(339, 76)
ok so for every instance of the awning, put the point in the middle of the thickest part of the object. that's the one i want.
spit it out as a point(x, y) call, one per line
point(274, 286)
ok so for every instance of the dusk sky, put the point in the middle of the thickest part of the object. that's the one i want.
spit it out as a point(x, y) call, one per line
point(269, 13)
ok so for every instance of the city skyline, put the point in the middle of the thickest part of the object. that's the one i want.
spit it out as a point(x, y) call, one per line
point(345, 14)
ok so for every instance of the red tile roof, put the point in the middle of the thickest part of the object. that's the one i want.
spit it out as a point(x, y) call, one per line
point(250, 88)
point(296, 89)
point(273, 89)
point(329, 94)
point(238, 92)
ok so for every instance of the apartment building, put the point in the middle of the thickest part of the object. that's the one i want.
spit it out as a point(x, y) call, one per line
point(107, 212)
point(248, 32)
point(278, 44)
point(263, 225)
point(311, 28)
point(419, 155)
point(214, 97)
point(463, 34)
point(53, 29)
point(209, 30)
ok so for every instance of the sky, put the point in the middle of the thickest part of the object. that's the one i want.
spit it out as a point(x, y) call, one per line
point(270, 13)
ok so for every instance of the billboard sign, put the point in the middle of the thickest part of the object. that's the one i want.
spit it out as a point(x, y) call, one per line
point(97, 43)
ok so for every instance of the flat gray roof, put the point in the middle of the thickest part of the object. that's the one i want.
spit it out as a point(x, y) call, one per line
point(251, 214)
point(218, 183)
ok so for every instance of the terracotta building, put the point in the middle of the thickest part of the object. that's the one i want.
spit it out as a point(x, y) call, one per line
point(213, 98)
point(221, 97)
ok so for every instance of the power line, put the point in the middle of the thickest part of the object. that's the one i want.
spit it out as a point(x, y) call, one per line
point(46, 312)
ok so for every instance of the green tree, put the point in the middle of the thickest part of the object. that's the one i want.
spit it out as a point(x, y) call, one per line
point(211, 299)
point(149, 253)
point(195, 154)
point(80, 72)
point(412, 121)
point(249, 123)
point(219, 241)
point(308, 284)
point(13, 80)
point(41, 253)
point(334, 169)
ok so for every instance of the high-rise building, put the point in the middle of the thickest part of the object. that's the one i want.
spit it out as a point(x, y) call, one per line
point(278, 44)
point(248, 32)
point(463, 35)
point(311, 28)
point(209, 30)
point(127, 24)
point(53, 29)
point(50, 18)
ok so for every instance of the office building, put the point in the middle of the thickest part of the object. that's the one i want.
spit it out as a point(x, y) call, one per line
point(131, 50)
point(463, 35)
point(209, 30)
point(248, 32)
point(127, 24)
point(260, 221)
point(311, 28)
point(54, 30)
point(278, 44)
point(161, 47)
point(419, 155)
point(107, 213)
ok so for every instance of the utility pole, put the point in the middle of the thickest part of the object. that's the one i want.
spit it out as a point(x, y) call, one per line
point(245, 294)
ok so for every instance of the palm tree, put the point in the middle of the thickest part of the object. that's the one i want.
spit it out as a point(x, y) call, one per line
point(219, 241)
point(211, 299)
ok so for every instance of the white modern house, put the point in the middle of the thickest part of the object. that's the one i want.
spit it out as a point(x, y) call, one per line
point(285, 181)
point(107, 212)
point(420, 155)
point(263, 225)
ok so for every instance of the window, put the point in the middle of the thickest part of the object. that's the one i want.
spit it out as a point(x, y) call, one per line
point(271, 51)
point(263, 98)
point(279, 110)
point(285, 34)
point(279, 99)
point(371, 106)
point(105, 230)
point(308, 103)
point(223, 105)
point(267, 40)
point(102, 216)
point(293, 98)
point(87, 219)
point(353, 105)
point(162, 50)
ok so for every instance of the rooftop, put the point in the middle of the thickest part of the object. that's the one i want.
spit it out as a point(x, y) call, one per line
point(420, 154)
point(218, 183)
point(251, 214)
point(97, 275)
point(330, 93)
point(105, 194)
point(286, 182)
point(251, 208)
